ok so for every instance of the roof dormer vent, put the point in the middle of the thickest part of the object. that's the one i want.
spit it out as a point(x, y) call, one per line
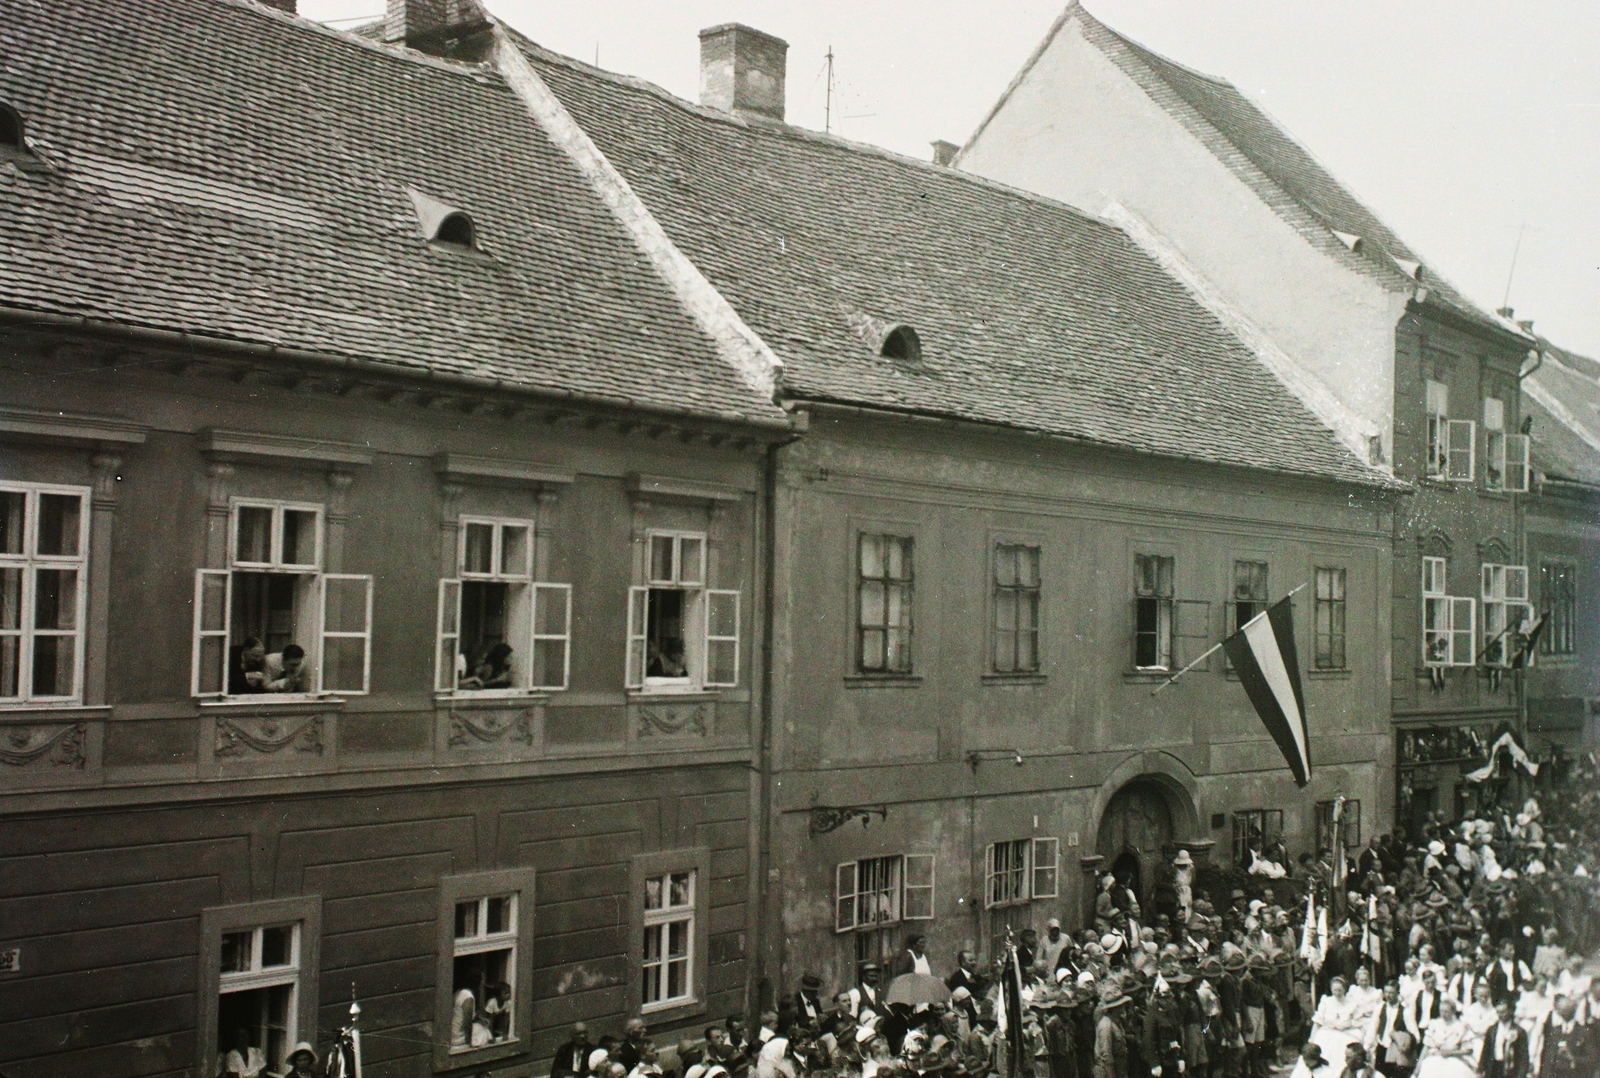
point(456, 228)
point(11, 133)
point(1349, 239)
point(903, 344)
point(1408, 267)
point(440, 222)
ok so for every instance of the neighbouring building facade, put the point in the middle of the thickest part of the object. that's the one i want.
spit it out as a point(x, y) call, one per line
point(1036, 478)
point(314, 344)
point(1410, 373)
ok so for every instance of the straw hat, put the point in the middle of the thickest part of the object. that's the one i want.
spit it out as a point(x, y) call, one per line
point(303, 1049)
point(1183, 859)
point(1111, 943)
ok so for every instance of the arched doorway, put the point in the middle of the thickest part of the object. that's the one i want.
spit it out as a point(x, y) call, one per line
point(1135, 829)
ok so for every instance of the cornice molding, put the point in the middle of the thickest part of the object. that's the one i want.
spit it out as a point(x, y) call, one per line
point(70, 428)
point(662, 487)
point(460, 468)
point(260, 447)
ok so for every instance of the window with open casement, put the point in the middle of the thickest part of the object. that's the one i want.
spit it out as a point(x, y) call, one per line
point(44, 562)
point(1507, 614)
point(877, 892)
point(1255, 829)
point(1021, 870)
point(257, 984)
point(682, 635)
point(274, 621)
point(1449, 622)
point(500, 629)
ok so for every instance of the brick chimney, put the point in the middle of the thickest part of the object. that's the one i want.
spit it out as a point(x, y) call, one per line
point(944, 152)
point(285, 6)
point(439, 27)
point(742, 70)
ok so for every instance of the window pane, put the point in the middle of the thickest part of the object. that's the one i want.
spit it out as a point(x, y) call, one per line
point(346, 610)
point(898, 558)
point(652, 943)
point(55, 665)
point(499, 916)
point(872, 556)
point(13, 508)
point(478, 556)
point(344, 664)
point(691, 553)
point(682, 888)
point(513, 550)
point(10, 657)
point(254, 542)
point(481, 1004)
point(1005, 566)
point(549, 662)
point(677, 979)
point(1028, 567)
point(10, 598)
point(872, 603)
point(661, 559)
point(55, 600)
point(678, 939)
point(721, 668)
point(258, 1019)
point(299, 537)
point(237, 948)
point(277, 946)
point(59, 524)
point(1028, 650)
point(652, 892)
point(466, 919)
point(1005, 609)
point(872, 648)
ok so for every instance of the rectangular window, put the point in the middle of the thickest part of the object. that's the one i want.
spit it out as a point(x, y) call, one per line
point(1506, 612)
point(1153, 612)
point(1249, 592)
point(1255, 829)
point(485, 962)
point(876, 892)
point(682, 636)
point(1016, 609)
point(498, 630)
point(1329, 617)
point(669, 913)
point(1437, 405)
point(44, 562)
point(1449, 623)
point(1558, 599)
point(1461, 463)
point(1494, 443)
point(1046, 867)
point(883, 610)
point(258, 984)
point(273, 622)
point(1350, 825)
point(1021, 870)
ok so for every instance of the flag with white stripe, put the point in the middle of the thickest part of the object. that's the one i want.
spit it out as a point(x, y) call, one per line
point(1263, 654)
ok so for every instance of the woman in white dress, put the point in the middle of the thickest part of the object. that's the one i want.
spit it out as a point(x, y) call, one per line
point(1449, 1047)
point(1335, 1023)
point(1364, 997)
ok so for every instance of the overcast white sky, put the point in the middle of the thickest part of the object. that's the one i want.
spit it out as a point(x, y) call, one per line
point(1458, 121)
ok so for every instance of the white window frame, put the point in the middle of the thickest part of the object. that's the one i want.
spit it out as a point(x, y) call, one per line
point(1436, 397)
point(1046, 859)
point(519, 883)
point(1507, 466)
point(1461, 465)
point(483, 941)
point(27, 563)
point(1041, 860)
point(259, 976)
point(1166, 611)
point(1454, 618)
point(527, 590)
point(313, 618)
point(700, 639)
point(660, 920)
point(1505, 606)
point(905, 891)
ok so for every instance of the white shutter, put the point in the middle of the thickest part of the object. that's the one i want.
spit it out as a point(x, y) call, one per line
point(446, 654)
point(1494, 472)
point(1462, 457)
point(552, 636)
point(1463, 631)
point(917, 905)
point(845, 897)
point(344, 639)
point(638, 609)
point(1518, 466)
point(989, 876)
point(213, 610)
point(1046, 864)
point(722, 638)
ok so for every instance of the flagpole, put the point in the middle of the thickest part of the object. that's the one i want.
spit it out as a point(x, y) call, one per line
point(1214, 648)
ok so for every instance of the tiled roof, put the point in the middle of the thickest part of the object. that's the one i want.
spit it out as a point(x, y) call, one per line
point(1283, 174)
point(216, 167)
point(1031, 314)
point(1563, 396)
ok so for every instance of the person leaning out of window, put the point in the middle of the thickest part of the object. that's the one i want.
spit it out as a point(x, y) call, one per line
point(255, 671)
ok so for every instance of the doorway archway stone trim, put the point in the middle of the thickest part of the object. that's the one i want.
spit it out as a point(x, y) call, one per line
point(1172, 776)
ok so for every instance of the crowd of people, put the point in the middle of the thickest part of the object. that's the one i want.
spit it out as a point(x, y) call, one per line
point(1461, 952)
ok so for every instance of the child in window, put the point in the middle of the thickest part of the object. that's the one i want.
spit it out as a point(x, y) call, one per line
point(493, 670)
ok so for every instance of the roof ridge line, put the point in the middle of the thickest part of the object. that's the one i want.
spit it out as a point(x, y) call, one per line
point(382, 48)
point(1553, 404)
point(805, 134)
point(1073, 7)
point(735, 341)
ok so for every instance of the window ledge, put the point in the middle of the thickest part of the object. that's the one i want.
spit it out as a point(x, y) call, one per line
point(25, 711)
point(1495, 494)
point(673, 692)
point(265, 704)
point(478, 1057)
point(882, 681)
point(1014, 679)
point(1137, 676)
point(1329, 675)
point(490, 698)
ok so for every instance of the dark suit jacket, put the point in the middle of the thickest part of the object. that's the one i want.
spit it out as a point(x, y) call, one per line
point(571, 1060)
point(1569, 1055)
point(1515, 1065)
point(1501, 986)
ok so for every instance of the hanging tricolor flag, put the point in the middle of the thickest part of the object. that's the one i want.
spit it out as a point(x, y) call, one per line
point(1371, 941)
point(1263, 654)
point(1011, 1021)
point(1341, 863)
point(1506, 742)
point(1526, 639)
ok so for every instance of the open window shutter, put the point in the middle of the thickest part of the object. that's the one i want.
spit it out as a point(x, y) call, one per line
point(1463, 449)
point(638, 609)
point(1046, 858)
point(344, 641)
point(722, 638)
point(213, 609)
point(1518, 466)
point(446, 660)
point(918, 902)
point(1191, 632)
point(1463, 631)
point(552, 636)
point(990, 874)
point(845, 897)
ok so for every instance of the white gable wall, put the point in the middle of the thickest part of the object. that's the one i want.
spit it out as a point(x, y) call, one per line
point(1076, 128)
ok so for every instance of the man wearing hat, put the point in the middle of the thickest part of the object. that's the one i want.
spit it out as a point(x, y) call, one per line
point(1311, 1064)
point(1060, 1038)
point(1050, 949)
point(808, 1002)
point(866, 991)
point(1162, 1040)
point(1110, 1039)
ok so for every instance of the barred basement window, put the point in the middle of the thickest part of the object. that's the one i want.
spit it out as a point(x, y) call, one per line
point(1330, 619)
point(272, 596)
point(44, 566)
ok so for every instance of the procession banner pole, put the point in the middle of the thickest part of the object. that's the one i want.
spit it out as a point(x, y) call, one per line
point(1214, 648)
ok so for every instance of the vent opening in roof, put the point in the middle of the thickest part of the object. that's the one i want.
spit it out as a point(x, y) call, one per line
point(901, 343)
point(457, 229)
point(11, 129)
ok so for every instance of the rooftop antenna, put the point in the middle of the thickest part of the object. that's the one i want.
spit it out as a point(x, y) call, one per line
point(827, 105)
point(1506, 302)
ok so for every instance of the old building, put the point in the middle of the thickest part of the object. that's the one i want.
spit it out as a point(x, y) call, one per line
point(314, 343)
point(1036, 478)
point(1370, 337)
